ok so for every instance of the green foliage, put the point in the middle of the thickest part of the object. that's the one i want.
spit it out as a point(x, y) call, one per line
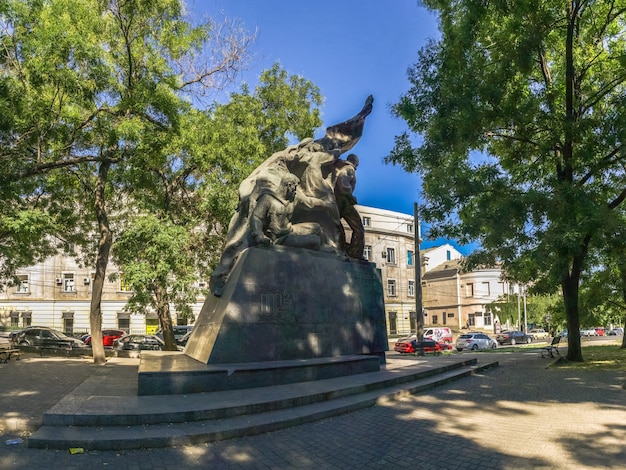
point(154, 253)
point(88, 86)
point(520, 107)
point(538, 307)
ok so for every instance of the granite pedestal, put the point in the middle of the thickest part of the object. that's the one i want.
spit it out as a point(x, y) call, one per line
point(283, 313)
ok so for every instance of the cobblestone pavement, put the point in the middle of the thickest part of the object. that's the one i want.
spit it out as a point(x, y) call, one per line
point(516, 416)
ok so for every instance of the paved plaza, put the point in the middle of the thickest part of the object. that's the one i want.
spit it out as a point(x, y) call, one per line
point(516, 416)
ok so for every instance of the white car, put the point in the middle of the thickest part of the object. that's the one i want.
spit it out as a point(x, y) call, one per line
point(475, 341)
point(539, 333)
point(589, 332)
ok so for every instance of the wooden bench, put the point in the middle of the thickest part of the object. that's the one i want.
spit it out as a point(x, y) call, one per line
point(6, 354)
point(552, 347)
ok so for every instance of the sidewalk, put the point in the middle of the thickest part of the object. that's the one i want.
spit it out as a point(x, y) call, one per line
point(517, 415)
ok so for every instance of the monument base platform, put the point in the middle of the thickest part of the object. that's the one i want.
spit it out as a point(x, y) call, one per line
point(283, 303)
point(168, 373)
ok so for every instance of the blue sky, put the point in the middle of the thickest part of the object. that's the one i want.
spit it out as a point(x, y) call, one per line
point(349, 49)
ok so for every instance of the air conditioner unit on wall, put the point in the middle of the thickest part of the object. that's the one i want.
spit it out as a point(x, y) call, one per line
point(59, 281)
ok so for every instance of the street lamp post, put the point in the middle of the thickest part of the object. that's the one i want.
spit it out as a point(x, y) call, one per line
point(419, 308)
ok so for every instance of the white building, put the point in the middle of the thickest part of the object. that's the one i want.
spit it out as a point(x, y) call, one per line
point(57, 292)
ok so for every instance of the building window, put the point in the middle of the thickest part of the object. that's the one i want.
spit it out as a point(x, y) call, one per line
point(68, 282)
point(391, 255)
point(15, 319)
point(469, 290)
point(123, 321)
point(26, 319)
point(435, 319)
point(89, 280)
point(413, 321)
point(68, 322)
point(393, 323)
point(367, 221)
point(123, 324)
point(367, 252)
point(22, 284)
point(409, 228)
point(486, 288)
point(448, 255)
point(391, 288)
point(411, 288)
point(124, 286)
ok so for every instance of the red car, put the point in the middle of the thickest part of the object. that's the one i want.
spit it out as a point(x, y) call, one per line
point(406, 345)
point(108, 337)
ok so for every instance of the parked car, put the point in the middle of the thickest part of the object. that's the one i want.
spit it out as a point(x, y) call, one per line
point(407, 345)
point(108, 337)
point(563, 333)
point(13, 335)
point(179, 332)
point(599, 330)
point(139, 343)
point(183, 341)
point(539, 333)
point(47, 337)
point(475, 341)
point(616, 332)
point(588, 332)
point(513, 337)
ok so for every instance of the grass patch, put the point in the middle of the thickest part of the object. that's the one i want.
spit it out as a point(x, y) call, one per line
point(603, 357)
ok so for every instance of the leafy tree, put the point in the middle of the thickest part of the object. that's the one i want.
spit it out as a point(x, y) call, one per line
point(603, 293)
point(89, 87)
point(160, 273)
point(538, 309)
point(190, 189)
point(520, 107)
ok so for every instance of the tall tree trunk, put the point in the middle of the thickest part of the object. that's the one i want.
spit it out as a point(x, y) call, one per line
point(570, 299)
point(622, 272)
point(104, 248)
point(570, 285)
point(165, 320)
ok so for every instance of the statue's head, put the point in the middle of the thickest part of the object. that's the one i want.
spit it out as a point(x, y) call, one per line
point(352, 158)
point(289, 185)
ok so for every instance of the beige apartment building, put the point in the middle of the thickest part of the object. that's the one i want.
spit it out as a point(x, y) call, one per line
point(460, 299)
point(57, 292)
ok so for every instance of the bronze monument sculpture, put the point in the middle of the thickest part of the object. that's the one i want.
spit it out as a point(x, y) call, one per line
point(292, 300)
point(318, 167)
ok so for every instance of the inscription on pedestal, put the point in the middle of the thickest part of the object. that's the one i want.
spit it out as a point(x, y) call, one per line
point(277, 307)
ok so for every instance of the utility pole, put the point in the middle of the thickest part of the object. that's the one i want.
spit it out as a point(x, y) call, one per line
point(519, 294)
point(525, 317)
point(419, 308)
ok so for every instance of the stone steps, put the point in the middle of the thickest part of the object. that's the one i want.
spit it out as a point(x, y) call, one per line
point(104, 414)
